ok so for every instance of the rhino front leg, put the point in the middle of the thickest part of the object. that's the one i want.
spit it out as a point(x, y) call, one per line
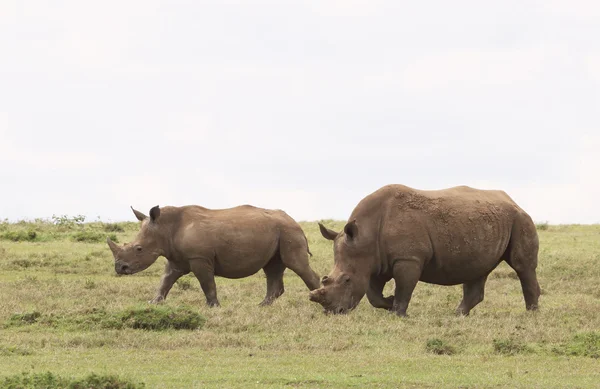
point(171, 274)
point(406, 275)
point(472, 295)
point(204, 272)
point(375, 294)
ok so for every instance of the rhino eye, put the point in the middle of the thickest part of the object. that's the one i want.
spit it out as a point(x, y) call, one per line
point(138, 248)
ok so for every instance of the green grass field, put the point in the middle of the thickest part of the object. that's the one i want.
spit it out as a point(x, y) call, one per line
point(56, 282)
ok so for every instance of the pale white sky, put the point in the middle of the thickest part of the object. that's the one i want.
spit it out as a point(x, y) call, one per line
point(306, 106)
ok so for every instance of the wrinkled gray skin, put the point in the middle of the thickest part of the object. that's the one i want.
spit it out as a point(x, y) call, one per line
point(445, 237)
point(231, 243)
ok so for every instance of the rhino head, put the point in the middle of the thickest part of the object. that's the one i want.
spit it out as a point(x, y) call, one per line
point(345, 286)
point(144, 250)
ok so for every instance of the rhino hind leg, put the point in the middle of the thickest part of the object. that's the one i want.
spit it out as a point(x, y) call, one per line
point(531, 289)
point(473, 293)
point(294, 255)
point(274, 272)
point(522, 256)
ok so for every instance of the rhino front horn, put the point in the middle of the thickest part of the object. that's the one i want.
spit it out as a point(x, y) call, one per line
point(113, 246)
point(316, 295)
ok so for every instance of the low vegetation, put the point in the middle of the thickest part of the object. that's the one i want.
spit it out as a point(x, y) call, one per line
point(439, 347)
point(509, 346)
point(50, 381)
point(584, 344)
point(64, 315)
point(155, 318)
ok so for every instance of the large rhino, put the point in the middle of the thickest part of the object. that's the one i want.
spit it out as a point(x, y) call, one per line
point(445, 237)
point(232, 243)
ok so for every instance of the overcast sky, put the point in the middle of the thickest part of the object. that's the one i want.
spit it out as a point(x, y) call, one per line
point(306, 106)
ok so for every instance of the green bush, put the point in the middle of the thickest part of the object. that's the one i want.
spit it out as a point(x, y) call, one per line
point(155, 318)
point(20, 235)
point(585, 344)
point(184, 283)
point(92, 236)
point(69, 222)
point(89, 284)
point(162, 318)
point(439, 347)
point(12, 350)
point(509, 346)
point(543, 226)
point(51, 381)
point(24, 318)
point(113, 227)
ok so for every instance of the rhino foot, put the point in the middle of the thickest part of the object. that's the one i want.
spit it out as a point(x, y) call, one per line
point(157, 300)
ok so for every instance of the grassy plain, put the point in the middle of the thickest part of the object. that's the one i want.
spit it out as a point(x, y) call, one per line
point(63, 271)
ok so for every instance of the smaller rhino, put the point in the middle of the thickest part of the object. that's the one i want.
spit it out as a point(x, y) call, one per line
point(231, 243)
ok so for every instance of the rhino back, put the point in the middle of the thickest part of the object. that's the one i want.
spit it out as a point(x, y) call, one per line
point(459, 233)
point(239, 240)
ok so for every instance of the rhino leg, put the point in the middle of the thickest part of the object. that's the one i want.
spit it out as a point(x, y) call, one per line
point(375, 294)
point(531, 289)
point(294, 255)
point(274, 272)
point(472, 295)
point(406, 275)
point(204, 272)
point(522, 256)
point(171, 274)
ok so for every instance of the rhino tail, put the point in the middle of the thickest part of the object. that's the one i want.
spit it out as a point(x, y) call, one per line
point(307, 248)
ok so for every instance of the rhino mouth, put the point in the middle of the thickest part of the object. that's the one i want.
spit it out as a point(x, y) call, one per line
point(330, 307)
point(123, 269)
point(335, 310)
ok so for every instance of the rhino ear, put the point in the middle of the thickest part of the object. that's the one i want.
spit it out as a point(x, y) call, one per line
point(327, 233)
point(351, 229)
point(140, 216)
point(154, 213)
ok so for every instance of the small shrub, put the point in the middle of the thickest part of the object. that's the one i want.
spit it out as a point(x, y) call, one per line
point(509, 346)
point(66, 221)
point(12, 350)
point(20, 235)
point(92, 237)
point(162, 318)
point(92, 319)
point(543, 226)
point(156, 318)
point(51, 381)
point(24, 318)
point(113, 227)
point(24, 263)
point(89, 284)
point(184, 283)
point(585, 344)
point(439, 347)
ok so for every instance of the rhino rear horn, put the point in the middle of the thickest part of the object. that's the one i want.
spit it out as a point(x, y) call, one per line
point(113, 246)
